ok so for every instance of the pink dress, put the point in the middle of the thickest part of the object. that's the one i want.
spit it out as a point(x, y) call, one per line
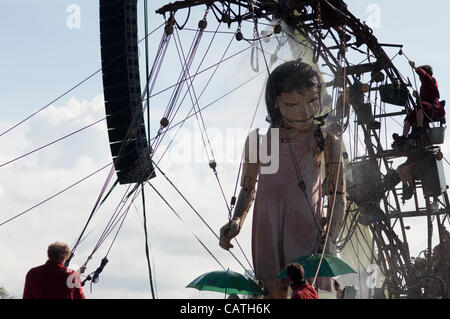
point(285, 221)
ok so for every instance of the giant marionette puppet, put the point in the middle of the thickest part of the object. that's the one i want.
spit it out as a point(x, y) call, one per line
point(288, 220)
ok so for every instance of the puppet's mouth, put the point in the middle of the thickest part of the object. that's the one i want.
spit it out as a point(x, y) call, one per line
point(299, 121)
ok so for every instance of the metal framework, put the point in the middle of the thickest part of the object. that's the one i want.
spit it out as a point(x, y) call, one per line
point(382, 211)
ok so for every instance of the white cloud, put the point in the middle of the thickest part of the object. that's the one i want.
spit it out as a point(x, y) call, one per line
point(177, 258)
point(23, 241)
point(74, 112)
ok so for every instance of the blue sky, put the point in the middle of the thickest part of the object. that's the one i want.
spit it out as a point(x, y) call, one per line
point(41, 57)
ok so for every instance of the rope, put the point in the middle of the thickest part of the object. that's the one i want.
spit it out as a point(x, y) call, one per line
point(202, 125)
point(213, 102)
point(115, 215)
point(147, 65)
point(55, 195)
point(303, 186)
point(71, 89)
point(114, 221)
point(108, 179)
point(181, 219)
point(195, 211)
point(152, 75)
point(124, 215)
point(70, 134)
point(202, 71)
point(180, 83)
point(147, 252)
point(335, 190)
point(240, 164)
point(189, 113)
point(51, 143)
point(195, 103)
point(111, 223)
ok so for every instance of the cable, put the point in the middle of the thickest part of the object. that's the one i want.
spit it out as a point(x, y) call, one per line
point(334, 194)
point(107, 232)
point(51, 143)
point(196, 212)
point(147, 64)
point(53, 196)
point(53, 101)
point(108, 179)
point(179, 217)
point(71, 89)
point(147, 251)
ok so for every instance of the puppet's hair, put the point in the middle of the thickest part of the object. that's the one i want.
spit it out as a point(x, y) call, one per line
point(288, 77)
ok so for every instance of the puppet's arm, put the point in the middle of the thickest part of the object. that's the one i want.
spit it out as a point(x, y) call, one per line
point(246, 195)
point(336, 188)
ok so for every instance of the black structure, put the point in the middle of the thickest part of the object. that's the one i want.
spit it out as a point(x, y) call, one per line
point(122, 91)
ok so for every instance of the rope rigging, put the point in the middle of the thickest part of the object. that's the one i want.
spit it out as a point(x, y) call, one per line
point(147, 249)
point(71, 89)
point(330, 218)
point(51, 143)
point(181, 219)
point(55, 195)
point(185, 82)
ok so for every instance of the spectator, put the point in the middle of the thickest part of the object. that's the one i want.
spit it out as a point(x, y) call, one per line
point(301, 289)
point(53, 280)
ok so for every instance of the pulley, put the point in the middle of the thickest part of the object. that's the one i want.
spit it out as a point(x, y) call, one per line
point(277, 28)
point(164, 122)
point(239, 35)
point(377, 76)
point(226, 18)
point(169, 26)
point(213, 165)
point(202, 24)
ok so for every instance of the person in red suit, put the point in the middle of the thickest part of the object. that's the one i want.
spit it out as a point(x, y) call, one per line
point(301, 289)
point(53, 280)
point(429, 108)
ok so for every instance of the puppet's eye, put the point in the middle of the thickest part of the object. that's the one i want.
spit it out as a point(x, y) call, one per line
point(313, 100)
point(291, 104)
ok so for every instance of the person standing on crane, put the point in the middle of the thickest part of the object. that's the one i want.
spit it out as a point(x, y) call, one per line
point(53, 280)
point(428, 108)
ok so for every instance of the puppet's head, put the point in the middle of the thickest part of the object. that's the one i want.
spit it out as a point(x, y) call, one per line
point(293, 95)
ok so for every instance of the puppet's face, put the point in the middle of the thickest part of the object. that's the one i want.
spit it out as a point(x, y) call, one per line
point(298, 108)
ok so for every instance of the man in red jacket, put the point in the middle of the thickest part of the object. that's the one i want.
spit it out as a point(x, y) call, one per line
point(428, 109)
point(53, 280)
point(300, 287)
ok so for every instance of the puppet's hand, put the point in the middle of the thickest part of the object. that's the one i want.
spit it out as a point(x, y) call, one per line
point(228, 232)
point(412, 64)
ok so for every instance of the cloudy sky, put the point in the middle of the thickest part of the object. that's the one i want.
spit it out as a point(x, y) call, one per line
point(45, 52)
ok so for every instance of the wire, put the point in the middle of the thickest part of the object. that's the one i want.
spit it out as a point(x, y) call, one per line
point(108, 179)
point(195, 211)
point(181, 219)
point(113, 222)
point(51, 143)
point(147, 64)
point(334, 193)
point(53, 196)
point(147, 250)
point(71, 89)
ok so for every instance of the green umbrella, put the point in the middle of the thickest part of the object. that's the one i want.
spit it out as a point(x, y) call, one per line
point(226, 281)
point(331, 266)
